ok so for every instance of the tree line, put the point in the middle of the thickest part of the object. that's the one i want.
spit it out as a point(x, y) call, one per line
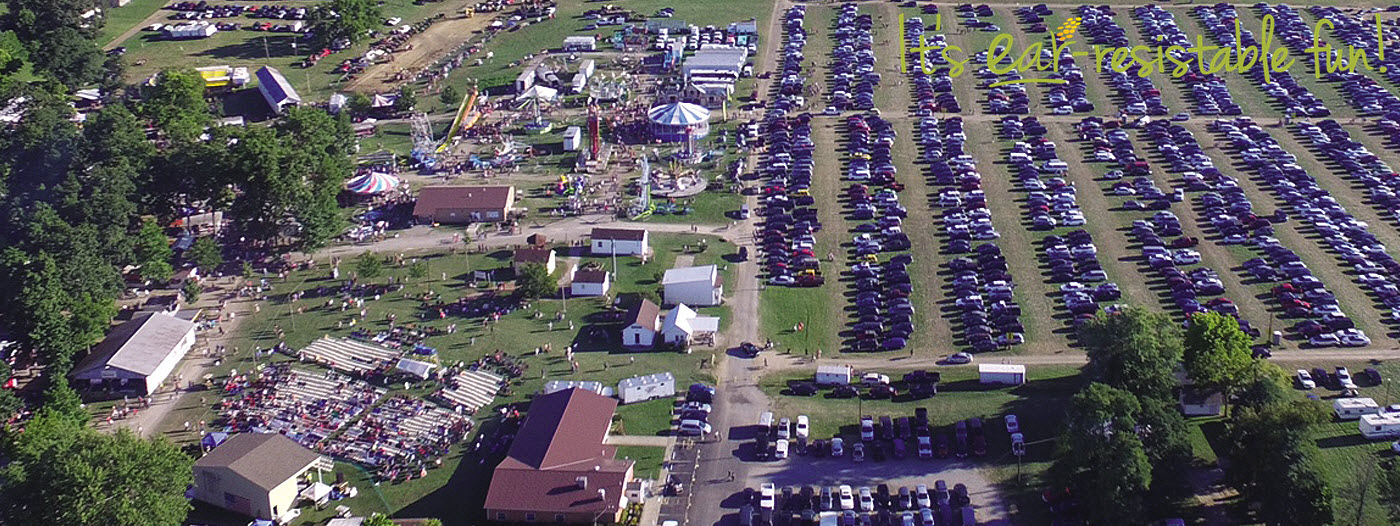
point(1125, 452)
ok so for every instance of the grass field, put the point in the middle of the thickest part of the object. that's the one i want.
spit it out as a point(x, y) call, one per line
point(648, 459)
point(120, 19)
point(652, 418)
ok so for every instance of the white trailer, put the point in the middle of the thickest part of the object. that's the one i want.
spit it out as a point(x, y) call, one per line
point(1380, 426)
point(1001, 373)
point(1354, 408)
point(649, 387)
point(834, 374)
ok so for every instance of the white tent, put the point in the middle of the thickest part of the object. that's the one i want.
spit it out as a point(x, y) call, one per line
point(415, 367)
point(539, 94)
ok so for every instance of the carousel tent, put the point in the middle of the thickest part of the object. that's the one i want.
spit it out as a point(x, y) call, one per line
point(538, 93)
point(679, 122)
point(372, 183)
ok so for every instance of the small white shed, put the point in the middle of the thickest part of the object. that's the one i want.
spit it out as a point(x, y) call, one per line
point(1001, 373)
point(573, 138)
point(1354, 408)
point(590, 283)
point(834, 374)
point(649, 387)
point(1380, 425)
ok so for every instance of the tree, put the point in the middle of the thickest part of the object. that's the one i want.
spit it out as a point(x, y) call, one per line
point(1136, 350)
point(535, 282)
point(1271, 462)
point(1217, 352)
point(64, 473)
point(368, 265)
point(407, 99)
point(176, 104)
point(360, 104)
point(205, 253)
point(378, 519)
point(351, 20)
point(191, 291)
point(418, 270)
point(152, 252)
point(1102, 457)
point(450, 96)
point(62, 401)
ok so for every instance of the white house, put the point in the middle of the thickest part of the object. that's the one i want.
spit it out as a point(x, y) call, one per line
point(649, 387)
point(700, 286)
point(834, 374)
point(619, 242)
point(590, 283)
point(1380, 426)
point(139, 354)
point(642, 325)
point(542, 256)
point(682, 326)
point(1001, 373)
point(1354, 408)
point(1201, 402)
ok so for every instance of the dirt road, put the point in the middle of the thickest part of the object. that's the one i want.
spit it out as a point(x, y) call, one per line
point(428, 47)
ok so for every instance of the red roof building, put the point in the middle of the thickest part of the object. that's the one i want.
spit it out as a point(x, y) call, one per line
point(558, 469)
point(464, 204)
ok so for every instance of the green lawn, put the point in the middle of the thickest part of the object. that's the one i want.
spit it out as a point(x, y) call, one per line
point(782, 308)
point(120, 19)
point(713, 206)
point(648, 459)
point(651, 418)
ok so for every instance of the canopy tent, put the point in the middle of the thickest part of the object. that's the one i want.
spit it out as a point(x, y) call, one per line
point(317, 492)
point(212, 440)
point(415, 367)
point(679, 114)
point(539, 94)
point(372, 183)
point(383, 101)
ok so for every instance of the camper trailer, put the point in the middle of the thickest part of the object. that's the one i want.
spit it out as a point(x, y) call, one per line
point(1380, 426)
point(643, 388)
point(1354, 408)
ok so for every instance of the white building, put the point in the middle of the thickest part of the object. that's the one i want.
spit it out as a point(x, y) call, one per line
point(1354, 408)
point(139, 354)
point(682, 326)
point(1380, 426)
point(834, 374)
point(619, 242)
point(580, 43)
point(1201, 402)
point(649, 387)
point(1001, 373)
point(276, 90)
point(554, 386)
point(590, 283)
point(642, 325)
point(716, 58)
point(700, 286)
point(573, 138)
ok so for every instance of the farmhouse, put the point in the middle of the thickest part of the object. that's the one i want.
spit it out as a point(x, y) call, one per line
point(682, 326)
point(641, 325)
point(558, 469)
point(619, 242)
point(138, 355)
point(541, 256)
point(649, 387)
point(1000, 373)
point(255, 474)
point(1201, 402)
point(590, 283)
point(464, 204)
point(700, 286)
point(276, 90)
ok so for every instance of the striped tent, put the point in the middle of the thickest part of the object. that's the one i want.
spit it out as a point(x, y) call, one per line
point(373, 183)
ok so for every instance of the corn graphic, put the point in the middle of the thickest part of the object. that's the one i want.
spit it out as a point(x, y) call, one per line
point(1067, 29)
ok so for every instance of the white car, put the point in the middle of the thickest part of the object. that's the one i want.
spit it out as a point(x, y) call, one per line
point(1012, 425)
point(802, 428)
point(1344, 378)
point(867, 428)
point(867, 501)
point(784, 429)
point(961, 357)
point(874, 379)
point(393, 21)
point(1353, 337)
point(780, 449)
point(1395, 446)
point(694, 428)
point(767, 494)
point(925, 447)
point(848, 499)
point(838, 447)
point(1305, 380)
point(858, 452)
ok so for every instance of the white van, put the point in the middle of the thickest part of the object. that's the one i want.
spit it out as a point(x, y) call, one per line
point(765, 422)
point(780, 451)
point(694, 428)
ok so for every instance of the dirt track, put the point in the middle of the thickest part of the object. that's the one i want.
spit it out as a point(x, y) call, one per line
point(428, 47)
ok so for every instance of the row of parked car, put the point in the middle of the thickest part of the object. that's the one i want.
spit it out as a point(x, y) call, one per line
point(1358, 30)
point(982, 284)
point(853, 76)
point(693, 415)
point(1348, 238)
point(1137, 95)
point(884, 309)
point(1382, 184)
point(1070, 96)
point(1341, 379)
point(1294, 98)
point(1163, 249)
point(933, 90)
point(790, 217)
point(1207, 91)
point(864, 506)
